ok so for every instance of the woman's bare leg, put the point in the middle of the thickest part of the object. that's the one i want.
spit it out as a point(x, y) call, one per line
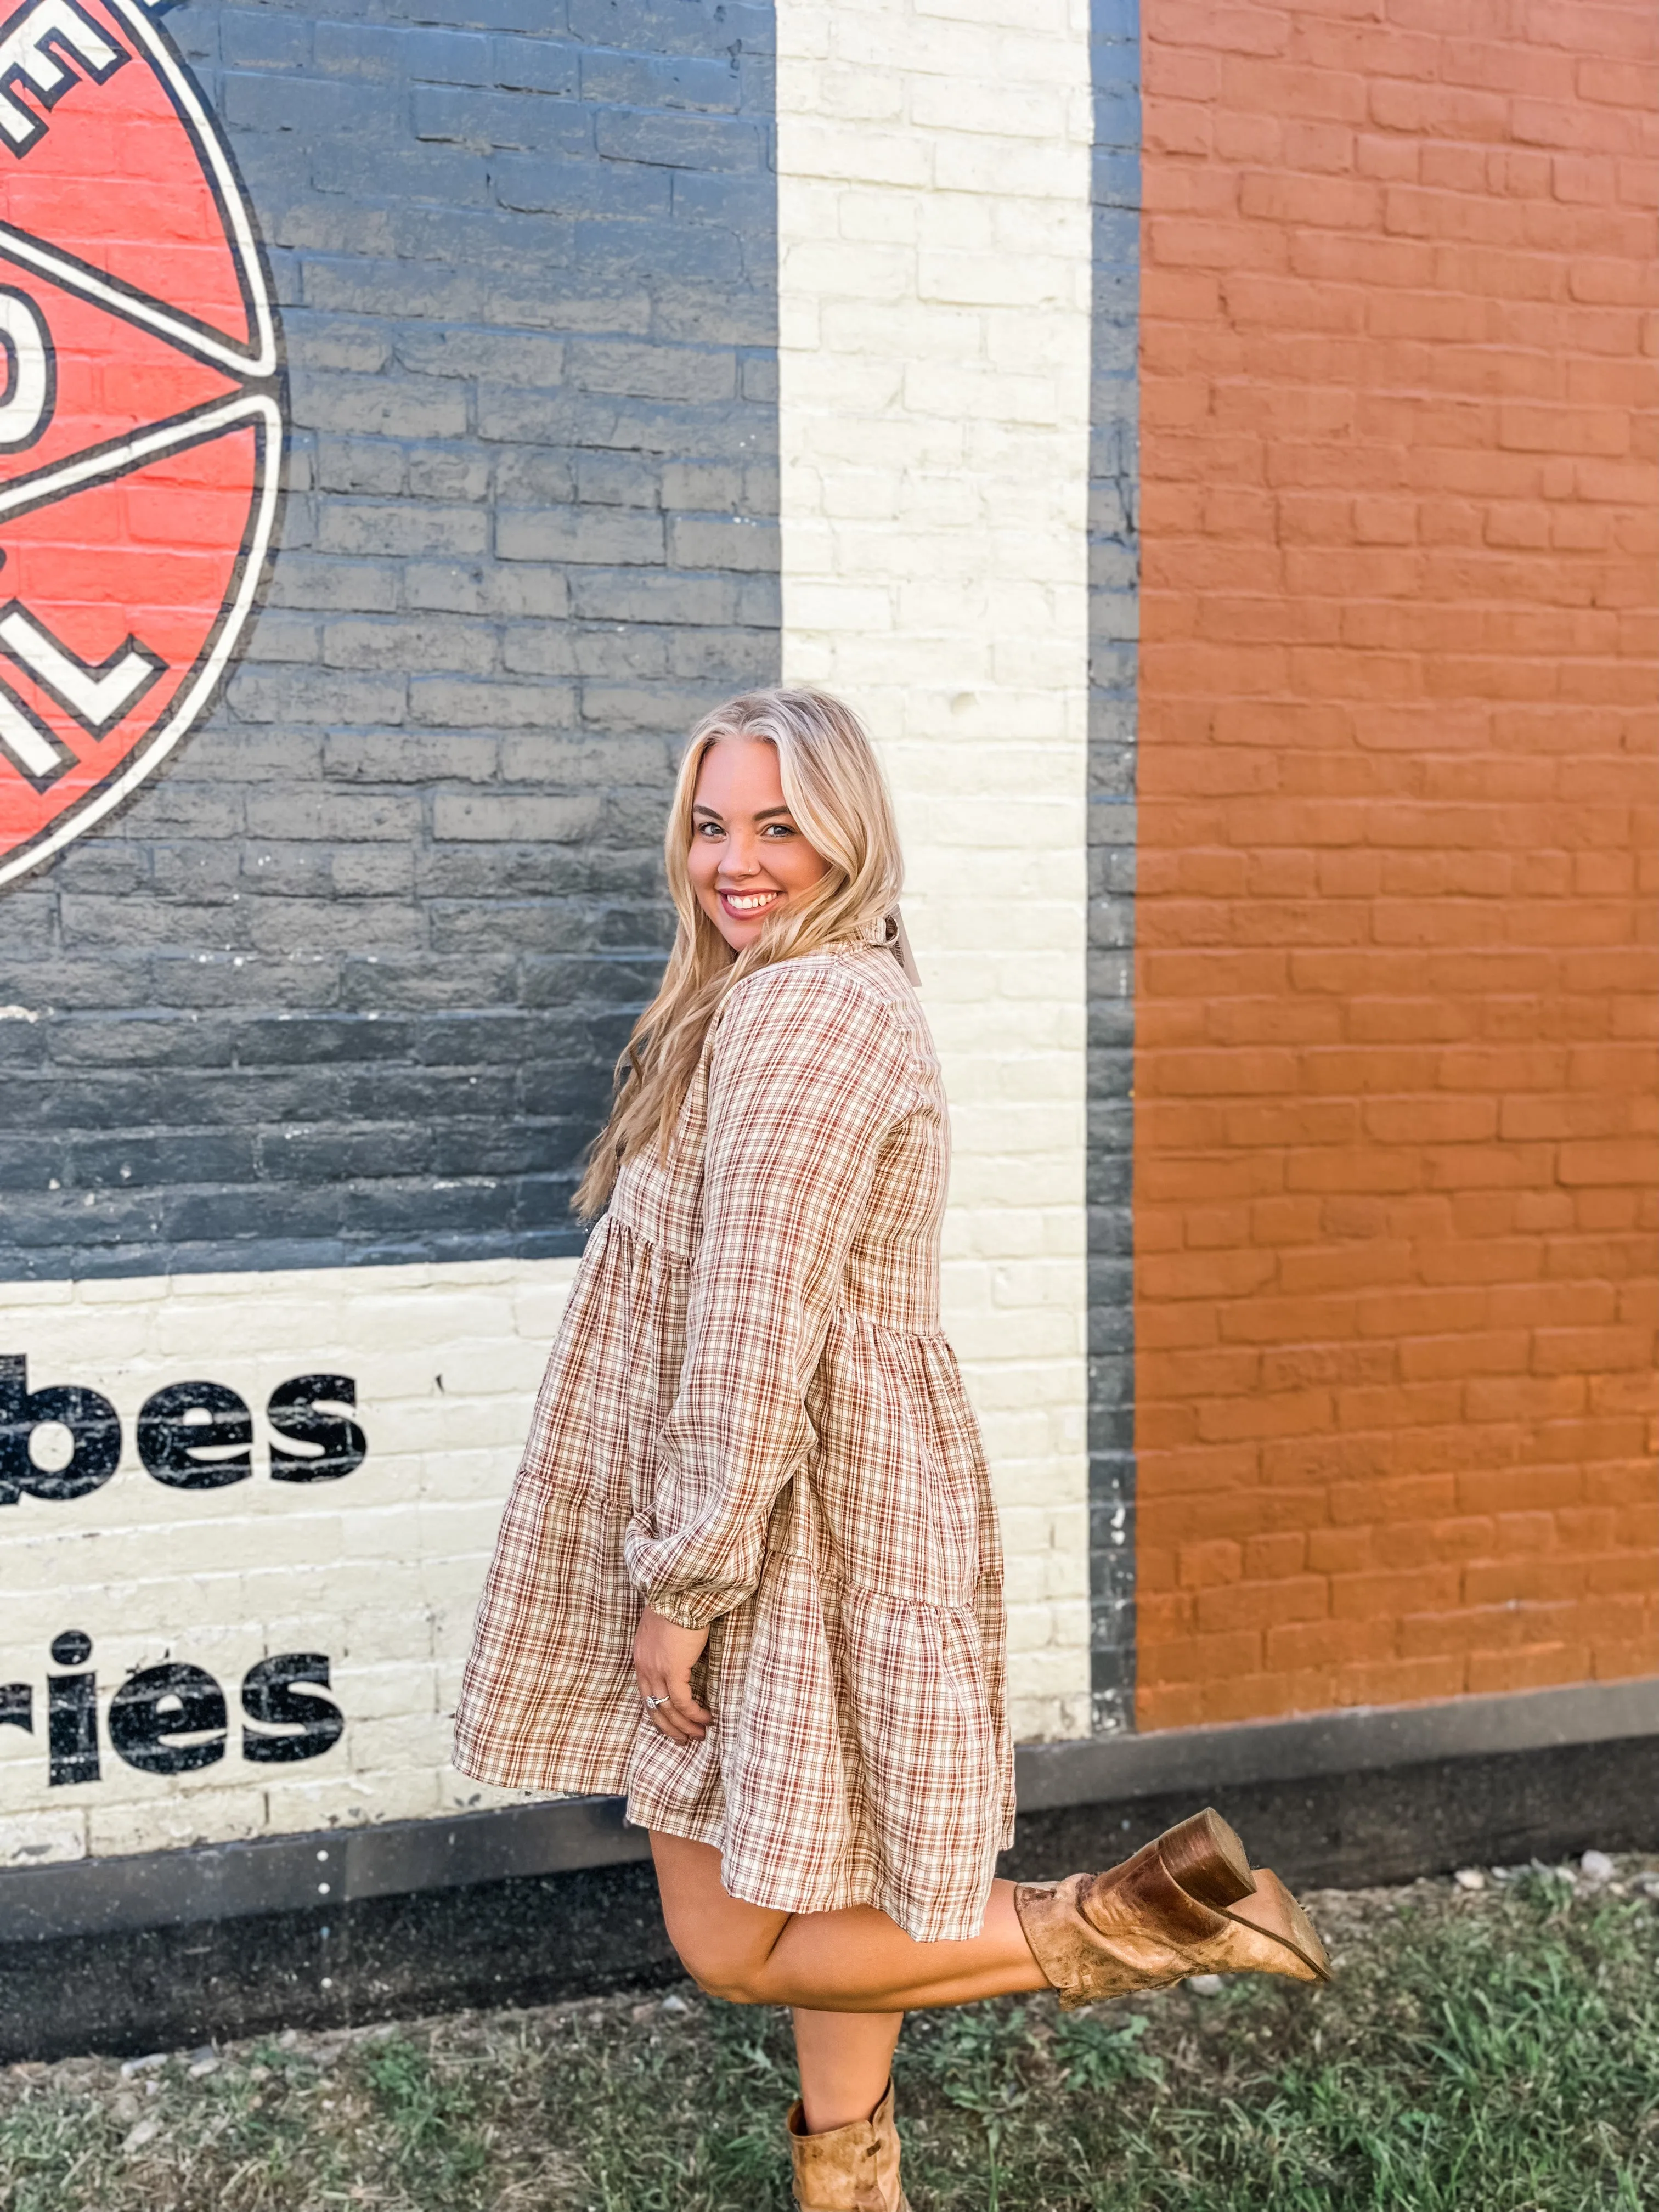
point(853, 1961)
point(846, 2061)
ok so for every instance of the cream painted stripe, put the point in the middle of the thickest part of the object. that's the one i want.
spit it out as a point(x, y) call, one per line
point(934, 241)
point(379, 1569)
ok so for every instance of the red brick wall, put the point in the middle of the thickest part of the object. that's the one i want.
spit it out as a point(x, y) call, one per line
point(1397, 1173)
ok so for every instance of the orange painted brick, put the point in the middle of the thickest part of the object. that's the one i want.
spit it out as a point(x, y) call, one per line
point(1515, 1498)
point(1222, 29)
point(1589, 1350)
point(1246, 1695)
point(1174, 1705)
point(1424, 1544)
point(1411, 583)
point(1197, 1658)
point(1262, 1605)
point(1384, 1596)
point(1326, 1459)
point(1624, 1572)
point(1294, 1367)
point(1538, 1667)
point(1328, 1643)
point(1401, 1681)
point(1613, 1662)
point(1517, 1582)
point(1274, 1559)
point(1287, 1414)
point(1491, 1352)
point(1339, 1551)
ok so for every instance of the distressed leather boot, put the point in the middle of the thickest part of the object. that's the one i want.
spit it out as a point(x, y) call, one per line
point(1187, 1903)
point(850, 2169)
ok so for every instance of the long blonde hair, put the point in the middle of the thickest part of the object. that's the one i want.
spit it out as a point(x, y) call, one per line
point(835, 789)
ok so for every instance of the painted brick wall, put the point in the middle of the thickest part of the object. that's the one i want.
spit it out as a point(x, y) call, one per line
point(1396, 1172)
point(345, 982)
point(376, 1570)
point(934, 235)
point(1114, 579)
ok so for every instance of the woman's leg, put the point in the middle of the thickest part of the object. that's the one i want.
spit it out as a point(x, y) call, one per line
point(853, 1961)
point(846, 2061)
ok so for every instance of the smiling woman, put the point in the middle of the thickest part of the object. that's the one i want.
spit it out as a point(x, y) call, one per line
point(750, 1571)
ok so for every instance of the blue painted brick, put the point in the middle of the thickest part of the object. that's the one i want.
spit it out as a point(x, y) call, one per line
point(518, 314)
point(684, 81)
point(703, 142)
point(262, 38)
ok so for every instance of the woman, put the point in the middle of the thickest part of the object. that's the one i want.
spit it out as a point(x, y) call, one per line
point(750, 1573)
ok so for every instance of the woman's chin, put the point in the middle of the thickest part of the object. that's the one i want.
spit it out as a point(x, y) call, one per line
point(738, 933)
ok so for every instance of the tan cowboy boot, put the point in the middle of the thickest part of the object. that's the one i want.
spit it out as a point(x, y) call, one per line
point(1187, 1903)
point(850, 2169)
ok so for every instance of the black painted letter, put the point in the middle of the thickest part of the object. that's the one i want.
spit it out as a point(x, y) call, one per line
point(293, 1413)
point(270, 1696)
point(90, 1420)
point(159, 1702)
point(71, 1713)
point(169, 1442)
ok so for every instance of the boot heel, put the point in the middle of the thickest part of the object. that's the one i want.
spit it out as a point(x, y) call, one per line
point(1205, 1857)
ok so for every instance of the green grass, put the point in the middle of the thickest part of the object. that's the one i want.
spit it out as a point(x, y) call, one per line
point(1489, 2052)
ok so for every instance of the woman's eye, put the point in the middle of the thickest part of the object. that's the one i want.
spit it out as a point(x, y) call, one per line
point(780, 830)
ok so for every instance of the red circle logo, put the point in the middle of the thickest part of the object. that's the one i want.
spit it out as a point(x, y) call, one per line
point(140, 422)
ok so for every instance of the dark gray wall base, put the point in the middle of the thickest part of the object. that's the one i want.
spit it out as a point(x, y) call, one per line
point(539, 1938)
point(526, 1942)
point(326, 1871)
point(1388, 1824)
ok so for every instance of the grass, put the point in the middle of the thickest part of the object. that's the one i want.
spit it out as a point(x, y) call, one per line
point(1480, 2051)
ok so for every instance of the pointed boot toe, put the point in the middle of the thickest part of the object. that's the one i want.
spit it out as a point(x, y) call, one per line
point(1187, 1903)
point(1275, 1935)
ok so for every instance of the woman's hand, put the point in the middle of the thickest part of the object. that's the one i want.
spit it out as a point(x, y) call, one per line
point(664, 1655)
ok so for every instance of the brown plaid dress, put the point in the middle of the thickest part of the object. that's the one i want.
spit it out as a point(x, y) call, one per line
point(751, 1420)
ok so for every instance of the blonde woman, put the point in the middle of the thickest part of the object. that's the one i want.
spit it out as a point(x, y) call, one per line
point(749, 1573)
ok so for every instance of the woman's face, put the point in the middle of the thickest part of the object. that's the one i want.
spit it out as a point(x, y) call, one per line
point(747, 856)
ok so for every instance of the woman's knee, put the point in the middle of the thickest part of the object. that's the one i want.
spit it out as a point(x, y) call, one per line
point(717, 1972)
point(720, 1965)
point(723, 1945)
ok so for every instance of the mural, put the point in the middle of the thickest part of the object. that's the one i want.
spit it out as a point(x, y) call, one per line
point(140, 414)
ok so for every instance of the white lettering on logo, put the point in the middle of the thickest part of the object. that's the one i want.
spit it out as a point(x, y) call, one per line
point(96, 693)
point(25, 402)
point(30, 743)
point(36, 47)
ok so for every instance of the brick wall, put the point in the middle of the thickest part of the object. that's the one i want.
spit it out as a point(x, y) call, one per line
point(1396, 1171)
point(935, 287)
point(374, 1569)
point(345, 980)
point(1114, 579)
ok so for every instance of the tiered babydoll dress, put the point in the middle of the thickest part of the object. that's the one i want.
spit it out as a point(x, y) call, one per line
point(752, 1422)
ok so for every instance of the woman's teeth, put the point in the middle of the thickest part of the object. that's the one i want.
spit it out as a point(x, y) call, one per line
point(748, 902)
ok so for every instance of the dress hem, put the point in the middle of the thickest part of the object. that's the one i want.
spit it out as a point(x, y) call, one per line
point(961, 1925)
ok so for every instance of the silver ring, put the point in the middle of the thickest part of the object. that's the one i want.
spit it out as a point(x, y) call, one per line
point(651, 1704)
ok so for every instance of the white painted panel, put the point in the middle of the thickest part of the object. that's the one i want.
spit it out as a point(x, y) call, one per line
point(934, 241)
point(378, 1570)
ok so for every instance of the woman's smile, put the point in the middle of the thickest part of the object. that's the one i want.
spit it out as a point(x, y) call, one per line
point(741, 904)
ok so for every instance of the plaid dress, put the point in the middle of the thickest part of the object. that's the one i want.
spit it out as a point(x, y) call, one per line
point(751, 1421)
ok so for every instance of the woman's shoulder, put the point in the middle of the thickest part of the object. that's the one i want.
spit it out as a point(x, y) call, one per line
point(840, 989)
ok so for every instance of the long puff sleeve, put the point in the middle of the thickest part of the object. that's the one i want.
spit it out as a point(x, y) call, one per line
point(810, 1070)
